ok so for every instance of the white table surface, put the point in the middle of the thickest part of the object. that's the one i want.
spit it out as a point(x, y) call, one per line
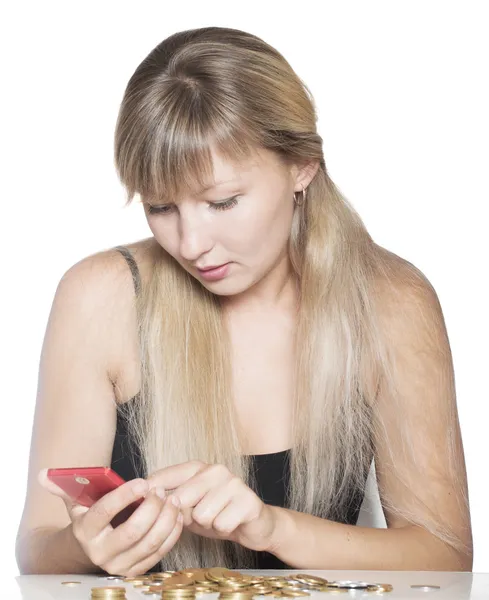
point(453, 586)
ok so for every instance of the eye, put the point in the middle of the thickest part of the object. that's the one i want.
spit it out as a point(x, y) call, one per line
point(155, 210)
point(224, 205)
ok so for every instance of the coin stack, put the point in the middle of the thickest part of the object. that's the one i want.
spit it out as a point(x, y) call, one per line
point(233, 585)
point(106, 593)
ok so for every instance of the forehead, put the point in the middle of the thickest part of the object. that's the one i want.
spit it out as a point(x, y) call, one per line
point(223, 171)
point(225, 168)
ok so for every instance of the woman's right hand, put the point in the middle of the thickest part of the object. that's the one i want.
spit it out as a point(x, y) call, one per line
point(136, 545)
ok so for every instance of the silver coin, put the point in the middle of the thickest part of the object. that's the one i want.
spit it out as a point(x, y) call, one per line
point(349, 585)
point(425, 588)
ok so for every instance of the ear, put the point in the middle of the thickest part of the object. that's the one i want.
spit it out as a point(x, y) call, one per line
point(304, 174)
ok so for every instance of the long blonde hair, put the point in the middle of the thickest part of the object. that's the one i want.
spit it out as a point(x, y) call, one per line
point(229, 88)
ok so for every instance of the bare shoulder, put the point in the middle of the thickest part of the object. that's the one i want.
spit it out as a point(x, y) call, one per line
point(102, 287)
point(106, 272)
point(408, 313)
point(406, 297)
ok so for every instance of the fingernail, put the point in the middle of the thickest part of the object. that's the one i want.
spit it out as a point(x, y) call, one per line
point(175, 500)
point(161, 492)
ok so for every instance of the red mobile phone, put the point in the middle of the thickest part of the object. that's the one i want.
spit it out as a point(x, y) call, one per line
point(86, 485)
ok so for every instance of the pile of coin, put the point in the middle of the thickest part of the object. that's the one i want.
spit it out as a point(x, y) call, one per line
point(106, 593)
point(233, 585)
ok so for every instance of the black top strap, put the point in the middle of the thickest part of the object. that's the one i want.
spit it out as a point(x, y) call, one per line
point(136, 277)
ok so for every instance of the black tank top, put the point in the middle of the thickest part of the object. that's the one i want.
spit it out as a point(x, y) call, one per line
point(272, 473)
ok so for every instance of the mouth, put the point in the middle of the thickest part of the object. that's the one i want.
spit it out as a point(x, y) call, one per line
point(214, 273)
point(211, 268)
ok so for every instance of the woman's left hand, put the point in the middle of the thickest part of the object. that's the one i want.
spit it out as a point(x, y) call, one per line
point(217, 504)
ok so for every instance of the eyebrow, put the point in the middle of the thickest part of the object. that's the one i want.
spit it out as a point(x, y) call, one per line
point(215, 184)
point(204, 189)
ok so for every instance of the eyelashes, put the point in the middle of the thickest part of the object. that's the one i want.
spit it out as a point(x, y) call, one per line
point(165, 209)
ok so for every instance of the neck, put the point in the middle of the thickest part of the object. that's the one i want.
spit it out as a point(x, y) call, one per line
point(278, 290)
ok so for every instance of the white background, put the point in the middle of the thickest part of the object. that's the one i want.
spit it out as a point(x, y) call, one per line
point(401, 91)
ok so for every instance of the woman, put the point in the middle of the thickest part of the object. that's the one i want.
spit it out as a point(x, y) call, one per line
point(245, 403)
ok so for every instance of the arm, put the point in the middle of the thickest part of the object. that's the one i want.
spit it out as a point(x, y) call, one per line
point(52, 550)
point(306, 542)
point(419, 456)
point(74, 422)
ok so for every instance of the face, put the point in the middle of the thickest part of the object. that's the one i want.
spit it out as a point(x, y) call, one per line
point(243, 224)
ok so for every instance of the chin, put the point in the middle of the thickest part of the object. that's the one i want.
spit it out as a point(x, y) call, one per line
point(224, 288)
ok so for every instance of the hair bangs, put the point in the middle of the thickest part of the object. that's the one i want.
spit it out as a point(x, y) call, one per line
point(172, 155)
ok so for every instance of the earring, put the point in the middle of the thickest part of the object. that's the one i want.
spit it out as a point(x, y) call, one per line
point(302, 200)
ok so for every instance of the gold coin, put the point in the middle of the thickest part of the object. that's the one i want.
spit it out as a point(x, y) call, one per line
point(294, 593)
point(309, 579)
point(219, 574)
point(108, 592)
point(380, 587)
point(191, 571)
point(70, 583)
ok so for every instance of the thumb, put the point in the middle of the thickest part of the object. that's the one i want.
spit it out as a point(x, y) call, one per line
point(73, 507)
point(51, 487)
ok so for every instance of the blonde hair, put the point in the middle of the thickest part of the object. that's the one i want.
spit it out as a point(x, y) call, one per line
point(228, 88)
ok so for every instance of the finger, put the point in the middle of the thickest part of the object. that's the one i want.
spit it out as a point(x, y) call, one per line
point(104, 510)
point(130, 533)
point(228, 520)
point(171, 540)
point(175, 475)
point(211, 478)
point(240, 510)
point(153, 542)
point(187, 516)
point(211, 505)
point(50, 486)
point(74, 509)
point(249, 531)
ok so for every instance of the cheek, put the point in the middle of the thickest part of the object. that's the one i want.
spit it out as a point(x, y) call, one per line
point(262, 232)
point(165, 236)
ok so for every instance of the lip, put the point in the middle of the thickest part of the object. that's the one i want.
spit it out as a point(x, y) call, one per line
point(216, 273)
point(211, 268)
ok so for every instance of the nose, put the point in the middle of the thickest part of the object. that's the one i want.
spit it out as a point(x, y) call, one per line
point(195, 239)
